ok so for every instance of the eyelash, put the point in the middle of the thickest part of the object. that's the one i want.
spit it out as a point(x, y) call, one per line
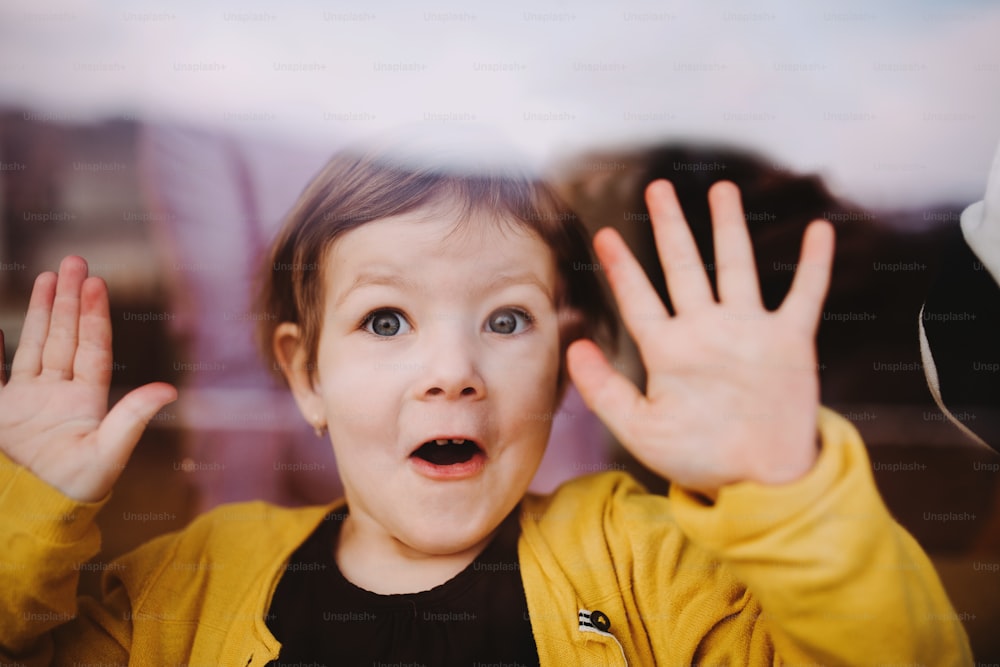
point(529, 319)
point(370, 317)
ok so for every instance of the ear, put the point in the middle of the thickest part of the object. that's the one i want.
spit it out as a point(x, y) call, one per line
point(293, 361)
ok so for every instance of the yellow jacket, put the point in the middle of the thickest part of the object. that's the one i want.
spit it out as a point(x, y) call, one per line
point(814, 572)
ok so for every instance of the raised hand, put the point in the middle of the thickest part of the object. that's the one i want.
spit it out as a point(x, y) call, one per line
point(732, 392)
point(54, 417)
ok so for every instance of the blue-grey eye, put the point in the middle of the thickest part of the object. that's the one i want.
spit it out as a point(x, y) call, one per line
point(386, 323)
point(508, 321)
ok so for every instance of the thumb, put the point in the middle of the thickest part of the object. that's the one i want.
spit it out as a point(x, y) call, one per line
point(606, 391)
point(124, 424)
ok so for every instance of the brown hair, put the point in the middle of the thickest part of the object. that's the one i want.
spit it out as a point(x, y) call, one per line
point(356, 187)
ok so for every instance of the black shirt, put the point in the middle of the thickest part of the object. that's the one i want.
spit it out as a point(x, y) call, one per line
point(478, 616)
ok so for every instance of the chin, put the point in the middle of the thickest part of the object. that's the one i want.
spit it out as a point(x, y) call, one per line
point(450, 532)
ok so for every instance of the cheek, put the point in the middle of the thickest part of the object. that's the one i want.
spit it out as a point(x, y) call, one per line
point(530, 381)
point(355, 394)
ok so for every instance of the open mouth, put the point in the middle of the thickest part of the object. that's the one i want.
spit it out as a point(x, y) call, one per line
point(447, 452)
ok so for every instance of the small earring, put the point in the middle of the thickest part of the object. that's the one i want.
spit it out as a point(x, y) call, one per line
point(318, 427)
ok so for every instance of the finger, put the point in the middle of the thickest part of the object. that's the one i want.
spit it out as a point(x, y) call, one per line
point(638, 302)
point(804, 302)
point(3, 361)
point(607, 392)
point(125, 423)
point(682, 264)
point(92, 363)
point(735, 268)
point(60, 345)
point(28, 358)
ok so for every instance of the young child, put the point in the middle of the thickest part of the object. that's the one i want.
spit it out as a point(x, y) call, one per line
point(429, 321)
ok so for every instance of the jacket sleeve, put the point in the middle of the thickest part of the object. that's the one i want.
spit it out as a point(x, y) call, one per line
point(835, 580)
point(46, 538)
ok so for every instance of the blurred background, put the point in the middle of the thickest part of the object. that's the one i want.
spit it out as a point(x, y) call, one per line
point(163, 143)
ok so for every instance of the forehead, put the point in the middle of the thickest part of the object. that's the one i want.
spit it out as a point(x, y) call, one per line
point(440, 242)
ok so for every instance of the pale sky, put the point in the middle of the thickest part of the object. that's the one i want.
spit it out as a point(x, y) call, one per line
point(895, 103)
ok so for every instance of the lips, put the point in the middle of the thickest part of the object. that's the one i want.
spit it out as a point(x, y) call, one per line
point(447, 451)
point(449, 458)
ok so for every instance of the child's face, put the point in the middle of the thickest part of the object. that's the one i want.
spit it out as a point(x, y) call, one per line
point(430, 333)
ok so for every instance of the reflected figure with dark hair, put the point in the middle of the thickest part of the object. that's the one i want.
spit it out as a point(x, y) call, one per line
point(884, 265)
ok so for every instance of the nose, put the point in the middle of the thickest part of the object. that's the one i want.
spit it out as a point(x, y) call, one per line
point(452, 369)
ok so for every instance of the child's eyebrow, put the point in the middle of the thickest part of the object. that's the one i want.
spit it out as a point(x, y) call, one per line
point(389, 279)
point(523, 278)
point(368, 278)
